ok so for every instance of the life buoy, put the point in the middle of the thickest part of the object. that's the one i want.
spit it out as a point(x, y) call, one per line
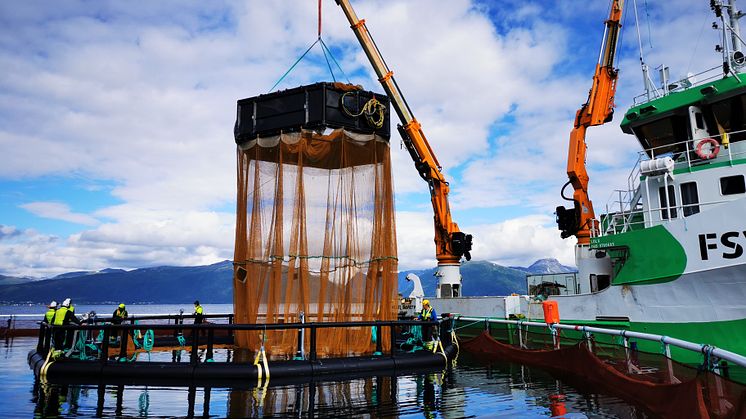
point(707, 148)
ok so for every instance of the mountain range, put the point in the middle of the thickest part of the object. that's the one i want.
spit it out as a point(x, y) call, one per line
point(485, 278)
point(213, 283)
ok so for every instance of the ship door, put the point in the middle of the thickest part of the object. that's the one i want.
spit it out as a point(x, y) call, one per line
point(697, 124)
point(697, 128)
point(600, 282)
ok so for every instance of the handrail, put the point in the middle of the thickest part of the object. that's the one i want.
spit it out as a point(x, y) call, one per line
point(666, 340)
point(46, 332)
point(244, 327)
point(158, 316)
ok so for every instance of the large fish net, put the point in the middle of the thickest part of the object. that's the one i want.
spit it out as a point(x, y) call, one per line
point(661, 386)
point(314, 235)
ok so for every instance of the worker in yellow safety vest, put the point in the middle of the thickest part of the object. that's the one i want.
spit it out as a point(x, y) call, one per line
point(49, 315)
point(64, 316)
point(119, 314)
point(198, 313)
point(427, 314)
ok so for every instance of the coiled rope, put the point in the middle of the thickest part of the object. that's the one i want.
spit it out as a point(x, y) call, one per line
point(373, 110)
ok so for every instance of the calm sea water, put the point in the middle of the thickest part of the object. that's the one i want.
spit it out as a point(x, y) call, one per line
point(473, 389)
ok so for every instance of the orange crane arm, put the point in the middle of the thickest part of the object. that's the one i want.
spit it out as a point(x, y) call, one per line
point(580, 221)
point(450, 242)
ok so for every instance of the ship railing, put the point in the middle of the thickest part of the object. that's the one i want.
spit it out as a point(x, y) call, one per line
point(707, 351)
point(640, 218)
point(688, 82)
point(684, 155)
point(207, 335)
point(623, 205)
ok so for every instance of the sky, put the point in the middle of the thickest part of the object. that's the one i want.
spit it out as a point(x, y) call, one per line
point(116, 118)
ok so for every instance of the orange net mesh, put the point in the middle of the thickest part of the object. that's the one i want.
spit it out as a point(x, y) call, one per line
point(314, 235)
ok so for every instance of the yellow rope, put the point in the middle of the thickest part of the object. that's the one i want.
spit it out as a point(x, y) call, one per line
point(374, 111)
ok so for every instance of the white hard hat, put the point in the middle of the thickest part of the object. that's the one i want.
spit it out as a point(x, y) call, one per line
point(53, 304)
point(66, 303)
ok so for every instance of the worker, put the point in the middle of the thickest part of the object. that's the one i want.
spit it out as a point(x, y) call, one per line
point(427, 314)
point(49, 315)
point(198, 313)
point(62, 317)
point(70, 305)
point(119, 314)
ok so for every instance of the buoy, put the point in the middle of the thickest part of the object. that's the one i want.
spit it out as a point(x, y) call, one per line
point(707, 148)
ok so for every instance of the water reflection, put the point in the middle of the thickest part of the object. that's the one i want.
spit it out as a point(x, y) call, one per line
point(474, 388)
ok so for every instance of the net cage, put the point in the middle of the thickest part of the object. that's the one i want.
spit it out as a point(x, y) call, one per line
point(315, 237)
point(659, 384)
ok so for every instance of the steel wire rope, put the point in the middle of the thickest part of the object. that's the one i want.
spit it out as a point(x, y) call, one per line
point(294, 64)
point(328, 64)
point(324, 46)
point(696, 44)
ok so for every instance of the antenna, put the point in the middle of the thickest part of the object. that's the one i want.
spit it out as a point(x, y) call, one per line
point(732, 54)
point(650, 90)
point(735, 31)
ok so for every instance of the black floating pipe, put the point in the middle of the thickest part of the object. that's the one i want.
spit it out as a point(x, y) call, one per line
point(77, 371)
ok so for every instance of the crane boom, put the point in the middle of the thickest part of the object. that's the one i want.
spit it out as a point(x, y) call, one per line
point(580, 221)
point(450, 242)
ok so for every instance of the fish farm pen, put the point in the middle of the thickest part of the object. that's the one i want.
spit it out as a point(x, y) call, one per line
point(140, 353)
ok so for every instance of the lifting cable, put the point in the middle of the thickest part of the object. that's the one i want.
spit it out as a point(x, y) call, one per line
point(324, 49)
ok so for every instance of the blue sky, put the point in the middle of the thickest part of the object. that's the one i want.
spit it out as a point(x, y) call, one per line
point(116, 118)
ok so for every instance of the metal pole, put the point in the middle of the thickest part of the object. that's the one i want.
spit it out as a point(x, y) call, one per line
point(392, 339)
point(123, 343)
point(312, 356)
point(210, 336)
point(104, 355)
point(379, 340)
point(193, 358)
point(42, 333)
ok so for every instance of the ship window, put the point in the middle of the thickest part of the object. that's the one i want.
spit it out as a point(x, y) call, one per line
point(732, 185)
point(689, 198)
point(667, 208)
point(699, 121)
point(730, 114)
point(661, 135)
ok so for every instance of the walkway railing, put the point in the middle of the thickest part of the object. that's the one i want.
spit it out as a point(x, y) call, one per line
point(124, 331)
point(667, 341)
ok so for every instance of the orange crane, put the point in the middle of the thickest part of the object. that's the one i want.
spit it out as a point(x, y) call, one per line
point(450, 242)
point(580, 221)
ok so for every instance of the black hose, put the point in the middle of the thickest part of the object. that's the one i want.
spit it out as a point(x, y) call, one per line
point(562, 192)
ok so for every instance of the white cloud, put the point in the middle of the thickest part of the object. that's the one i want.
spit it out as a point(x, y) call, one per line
point(59, 211)
point(515, 242)
point(144, 97)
